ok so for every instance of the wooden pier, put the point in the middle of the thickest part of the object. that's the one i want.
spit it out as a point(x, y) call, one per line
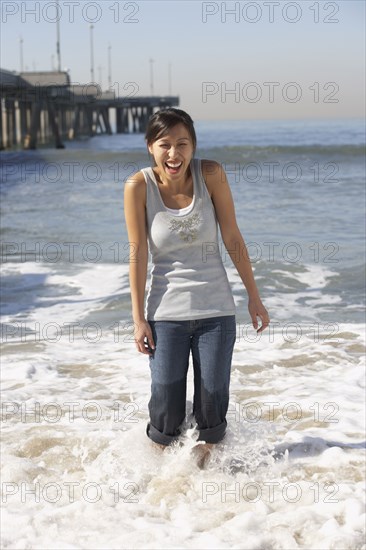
point(41, 107)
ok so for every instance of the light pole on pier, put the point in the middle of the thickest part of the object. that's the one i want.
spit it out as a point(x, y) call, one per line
point(58, 49)
point(109, 67)
point(170, 78)
point(151, 77)
point(91, 54)
point(21, 52)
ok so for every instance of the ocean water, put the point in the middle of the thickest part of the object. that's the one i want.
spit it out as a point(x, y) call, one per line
point(77, 468)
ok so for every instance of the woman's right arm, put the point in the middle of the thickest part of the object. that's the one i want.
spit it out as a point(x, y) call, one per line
point(135, 216)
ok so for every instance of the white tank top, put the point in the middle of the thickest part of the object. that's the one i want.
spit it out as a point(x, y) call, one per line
point(188, 278)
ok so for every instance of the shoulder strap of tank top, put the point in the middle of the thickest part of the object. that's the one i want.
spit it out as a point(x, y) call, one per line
point(197, 174)
point(201, 184)
point(146, 172)
point(152, 192)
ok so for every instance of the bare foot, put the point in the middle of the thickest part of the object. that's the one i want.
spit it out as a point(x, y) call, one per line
point(202, 453)
point(161, 447)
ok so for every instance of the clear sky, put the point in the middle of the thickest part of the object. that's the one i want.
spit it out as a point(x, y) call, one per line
point(279, 59)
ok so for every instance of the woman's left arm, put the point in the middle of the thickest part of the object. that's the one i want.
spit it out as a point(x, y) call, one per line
point(221, 197)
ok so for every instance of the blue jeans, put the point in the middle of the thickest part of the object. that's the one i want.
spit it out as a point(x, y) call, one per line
point(211, 342)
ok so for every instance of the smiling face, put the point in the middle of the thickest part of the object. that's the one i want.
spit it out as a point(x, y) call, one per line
point(173, 152)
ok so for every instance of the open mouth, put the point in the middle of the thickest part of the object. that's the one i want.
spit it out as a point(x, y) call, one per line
point(173, 167)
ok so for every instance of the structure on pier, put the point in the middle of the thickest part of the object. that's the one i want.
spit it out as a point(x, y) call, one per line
point(37, 107)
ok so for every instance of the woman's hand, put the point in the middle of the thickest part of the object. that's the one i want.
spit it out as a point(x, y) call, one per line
point(143, 337)
point(257, 309)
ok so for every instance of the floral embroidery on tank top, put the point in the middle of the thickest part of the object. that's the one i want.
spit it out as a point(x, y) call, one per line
point(186, 228)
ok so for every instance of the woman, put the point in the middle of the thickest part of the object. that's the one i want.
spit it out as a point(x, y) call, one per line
point(175, 207)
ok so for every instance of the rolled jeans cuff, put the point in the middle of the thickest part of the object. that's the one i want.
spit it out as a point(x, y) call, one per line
point(209, 435)
point(158, 437)
point(213, 435)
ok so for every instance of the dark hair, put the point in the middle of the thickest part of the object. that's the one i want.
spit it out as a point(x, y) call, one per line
point(161, 122)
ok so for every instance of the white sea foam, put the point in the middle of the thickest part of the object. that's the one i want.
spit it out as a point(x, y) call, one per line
point(289, 473)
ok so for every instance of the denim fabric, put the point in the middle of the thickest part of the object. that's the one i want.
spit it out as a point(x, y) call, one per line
point(211, 342)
